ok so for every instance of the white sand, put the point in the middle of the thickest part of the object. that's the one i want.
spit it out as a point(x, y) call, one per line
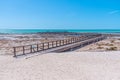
point(62, 66)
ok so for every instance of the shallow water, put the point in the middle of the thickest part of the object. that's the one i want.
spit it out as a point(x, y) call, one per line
point(19, 31)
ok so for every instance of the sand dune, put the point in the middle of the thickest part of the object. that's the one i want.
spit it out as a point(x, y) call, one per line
point(110, 44)
point(62, 66)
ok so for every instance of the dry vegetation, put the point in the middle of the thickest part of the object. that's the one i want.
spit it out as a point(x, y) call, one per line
point(7, 43)
point(112, 44)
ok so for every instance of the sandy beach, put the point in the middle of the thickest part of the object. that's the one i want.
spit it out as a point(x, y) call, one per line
point(99, 62)
point(62, 66)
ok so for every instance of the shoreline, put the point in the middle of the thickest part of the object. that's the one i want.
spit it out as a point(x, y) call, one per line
point(29, 31)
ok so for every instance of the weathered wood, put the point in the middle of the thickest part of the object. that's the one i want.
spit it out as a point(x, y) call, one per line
point(62, 42)
point(14, 50)
point(66, 41)
point(37, 48)
point(23, 50)
point(71, 40)
point(43, 46)
point(52, 44)
point(31, 49)
point(48, 45)
point(56, 43)
point(74, 40)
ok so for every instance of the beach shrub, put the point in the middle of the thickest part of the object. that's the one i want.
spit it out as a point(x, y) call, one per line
point(100, 47)
point(112, 49)
point(108, 44)
point(112, 41)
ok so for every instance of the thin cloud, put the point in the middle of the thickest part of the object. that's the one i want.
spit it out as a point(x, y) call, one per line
point(114, 12)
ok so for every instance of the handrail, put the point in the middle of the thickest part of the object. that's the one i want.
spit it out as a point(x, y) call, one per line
point(48, 45)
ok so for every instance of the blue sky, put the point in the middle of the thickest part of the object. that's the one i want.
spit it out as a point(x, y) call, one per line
point(60, 14)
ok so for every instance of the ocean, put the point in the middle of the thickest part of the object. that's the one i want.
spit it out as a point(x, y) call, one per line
point(22, 31)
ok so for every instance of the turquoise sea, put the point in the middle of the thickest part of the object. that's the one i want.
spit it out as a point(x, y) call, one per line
point(21, 31)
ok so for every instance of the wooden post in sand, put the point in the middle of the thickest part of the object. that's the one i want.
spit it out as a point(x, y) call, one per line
point(72, 40)
point(56, 43)
point(52, 44)
point(42, 46)
point(63, 42)
point(37, 48)
point(14, 49)
point(23, 50)
point(31, 49)
point(76, 39)
point(66, 41)
point(48, 45)
point(69, 41)
point(60, 42)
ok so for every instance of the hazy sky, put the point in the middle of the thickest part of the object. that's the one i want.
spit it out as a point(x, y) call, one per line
point(60, 14)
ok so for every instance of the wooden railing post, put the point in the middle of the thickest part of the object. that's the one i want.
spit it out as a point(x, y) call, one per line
point(14, 50)
point(66, 41)
point(56, 43)
point(52, 44)
point(37, 48)
point(71, 40)
point(42, 46)
point(23, 50)
point(48, 45)
point(31, 49)
point(60, 42)
point(75, 39)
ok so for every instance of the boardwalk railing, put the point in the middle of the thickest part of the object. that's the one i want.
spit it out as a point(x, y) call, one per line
point(80, 44)
point(27, 49)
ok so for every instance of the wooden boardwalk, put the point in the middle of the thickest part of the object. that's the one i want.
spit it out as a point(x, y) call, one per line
point(57, 46)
